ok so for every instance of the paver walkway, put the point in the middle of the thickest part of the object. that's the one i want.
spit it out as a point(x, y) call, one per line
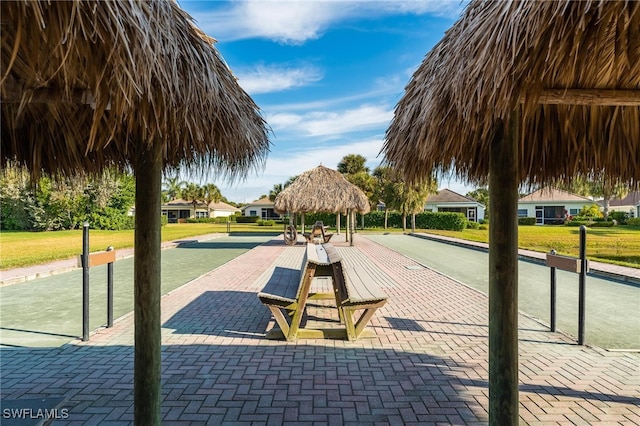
point(427, 364)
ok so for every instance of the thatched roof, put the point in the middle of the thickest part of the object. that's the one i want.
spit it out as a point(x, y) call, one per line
point(574, 65)
point(321, 190)
point(84, 81)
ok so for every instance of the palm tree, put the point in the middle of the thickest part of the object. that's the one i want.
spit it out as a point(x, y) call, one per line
point(352, 164)
point(173, 188)
point(411, 199)
point(278, 188)
point(192, 193)
point(211, 194)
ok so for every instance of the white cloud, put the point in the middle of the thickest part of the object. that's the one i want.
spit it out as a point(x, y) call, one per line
point(268, 79)
point(322, 123)
point(294, 22)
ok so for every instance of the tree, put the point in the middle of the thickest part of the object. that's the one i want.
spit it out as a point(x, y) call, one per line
point(411, 197)
point(352, 164)
point(606, 188)
point(278, 188)
point(211, 194)
point(384, 189)
point(172, 188)
point(192, 193)
point(481, 195)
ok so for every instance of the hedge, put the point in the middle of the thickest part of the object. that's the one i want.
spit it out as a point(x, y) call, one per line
point(247, 219)
point(526, 221)
point(634, 221)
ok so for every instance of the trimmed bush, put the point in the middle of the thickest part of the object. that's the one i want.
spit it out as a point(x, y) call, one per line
point(247, 219)
point(526, 221)
point(620, 217)
point(634, 221)
point(473, 225)
point(266, 222)
point(602, 224)
point(441, 220)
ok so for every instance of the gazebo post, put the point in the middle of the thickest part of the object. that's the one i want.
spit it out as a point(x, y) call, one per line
point(503, 275)
point(302, 221)
point(147, 279)
point(338, 223)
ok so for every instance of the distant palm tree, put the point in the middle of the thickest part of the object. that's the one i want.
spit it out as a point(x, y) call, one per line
point(211, 194)
point(192, 193)
point(278, 188)
point(173, 188)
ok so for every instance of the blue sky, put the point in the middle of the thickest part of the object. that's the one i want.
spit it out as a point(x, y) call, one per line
point(325, 74)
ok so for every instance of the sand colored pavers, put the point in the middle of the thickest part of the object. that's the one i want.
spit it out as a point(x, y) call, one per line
point(427, 364)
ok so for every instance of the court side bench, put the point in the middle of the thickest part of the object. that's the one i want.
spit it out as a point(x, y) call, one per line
point(281, 295)
point(356, 291)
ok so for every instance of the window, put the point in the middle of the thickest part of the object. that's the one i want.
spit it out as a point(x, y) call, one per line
point(523, 212)
point(201, 215)
point(253, 213)
point(574, 212)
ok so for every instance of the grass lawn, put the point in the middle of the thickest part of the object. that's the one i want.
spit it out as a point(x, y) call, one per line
point(619, 245)
point(19, 248)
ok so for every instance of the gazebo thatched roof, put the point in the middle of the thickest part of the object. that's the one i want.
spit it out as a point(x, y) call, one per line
point(573, 66)
point(321, 190)
point(84, 81)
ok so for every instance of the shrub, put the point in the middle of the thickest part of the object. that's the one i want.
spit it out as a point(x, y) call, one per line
point(441, 220)
point(247, 219)
point(620, 217)
point(602, 224)
point(266, 222)
point(579, 222)
point(526, 221)
point(473, 225)
point(164, 220)
point(634, 221)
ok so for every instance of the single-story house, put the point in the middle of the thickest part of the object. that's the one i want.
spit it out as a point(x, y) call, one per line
point(447, 200)
point(551, 205)
point(262, 208)
point(629, 204)
point(182, 209)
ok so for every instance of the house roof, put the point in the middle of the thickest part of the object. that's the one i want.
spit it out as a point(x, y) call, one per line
point(264, 201)
point(632, 199)
point(553, 194)
point(221, 205)
point(449, 196)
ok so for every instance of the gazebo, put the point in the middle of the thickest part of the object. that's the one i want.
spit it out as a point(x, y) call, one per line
point(89, 85)
point(522, 93)
point(322, 189)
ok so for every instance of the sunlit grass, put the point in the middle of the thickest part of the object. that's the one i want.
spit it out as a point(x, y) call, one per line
point(19, 249)
point(619, 245)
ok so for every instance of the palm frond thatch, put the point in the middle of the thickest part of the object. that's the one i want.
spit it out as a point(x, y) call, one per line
point(503, 54)
point(83, 82)
point(321, 189)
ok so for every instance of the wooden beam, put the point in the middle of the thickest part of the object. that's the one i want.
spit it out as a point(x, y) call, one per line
point(503, 275)
point(595, 97)
point(147, 281)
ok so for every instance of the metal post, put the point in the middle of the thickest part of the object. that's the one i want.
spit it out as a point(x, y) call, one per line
point(581, 283)
point(228, 226)
point(109, 292)
point(85, 281)
point(553, 296)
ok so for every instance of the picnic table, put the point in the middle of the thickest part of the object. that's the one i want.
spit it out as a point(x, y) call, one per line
point(318, 234)
point(356, 295)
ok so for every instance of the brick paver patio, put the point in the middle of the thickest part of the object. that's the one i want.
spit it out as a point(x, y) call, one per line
point(427, 364)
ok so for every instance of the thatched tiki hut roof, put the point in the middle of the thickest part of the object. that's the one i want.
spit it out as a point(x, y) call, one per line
point(88, 85)
point(523, 92)
point(321, 189)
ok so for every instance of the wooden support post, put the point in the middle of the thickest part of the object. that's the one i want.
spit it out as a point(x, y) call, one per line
point(147, 280)
point(503, 276)
point(338, 223)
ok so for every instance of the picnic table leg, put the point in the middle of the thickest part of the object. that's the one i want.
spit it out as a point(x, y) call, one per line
point(302, 303)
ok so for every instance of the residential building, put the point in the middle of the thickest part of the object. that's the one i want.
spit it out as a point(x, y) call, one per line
point(263, 208)
point(628, 204)
point(182, 209)
point(551, 205)
point(447, 200)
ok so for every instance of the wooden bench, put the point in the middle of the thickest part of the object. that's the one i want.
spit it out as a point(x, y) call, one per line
point(281, 294)
point(357, 291)
point(318, 234)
